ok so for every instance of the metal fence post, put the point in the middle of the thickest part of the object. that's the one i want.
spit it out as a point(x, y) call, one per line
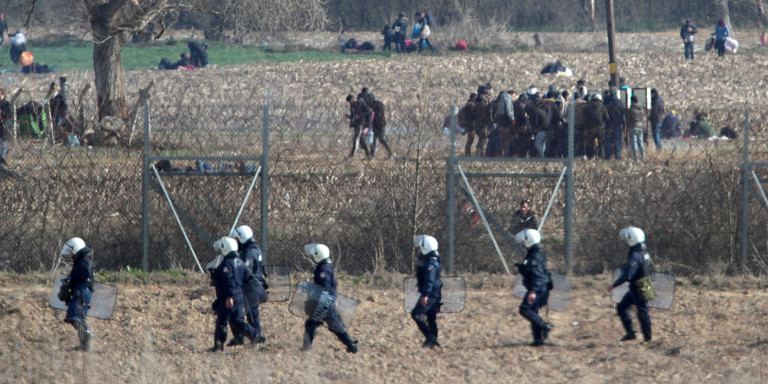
point(569, 189)
point(145, 194)
point(745, 198)
point(265, 180)
point(451, 192)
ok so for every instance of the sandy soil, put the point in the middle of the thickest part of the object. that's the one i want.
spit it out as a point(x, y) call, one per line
point(159, 334)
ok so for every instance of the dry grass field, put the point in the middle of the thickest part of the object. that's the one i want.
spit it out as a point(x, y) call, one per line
point(716, 332)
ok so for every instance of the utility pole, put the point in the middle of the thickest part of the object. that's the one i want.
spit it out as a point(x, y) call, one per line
point(611, 43)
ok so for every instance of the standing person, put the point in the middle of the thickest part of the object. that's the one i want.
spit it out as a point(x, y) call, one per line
point(360, 117)
point(537, 283)
point(523, 218)
point(6, 115)
point(250, 254)
point(424, 313)
point(721, 33)
point(482, 117)
point(388, 37)
point(595, 117)
point(228, 279)
point(400, 30)
point(3, 28)
point(656, 117)
point(670, 127)
point(686, 33)
point(324, 276)
point(80, 282)
point(636, 125)
point(615, 125)
point(636, 272)
point(425, 23)
point(582, 89)
point(18, 46)
point(466, 119)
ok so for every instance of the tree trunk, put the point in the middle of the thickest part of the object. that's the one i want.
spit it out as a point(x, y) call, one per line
point(108, 69)
point(722, 11)
point(761, 16)
point(588, 7)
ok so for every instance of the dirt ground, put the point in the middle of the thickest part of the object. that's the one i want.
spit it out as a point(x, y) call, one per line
point(714, 333)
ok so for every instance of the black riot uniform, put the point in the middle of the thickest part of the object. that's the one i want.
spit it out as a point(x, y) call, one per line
point(228, 279)
point(535, 280)
point(430, 287)
point(254, 287)
point(80, 281)
point(637, 266)
point(325, 277)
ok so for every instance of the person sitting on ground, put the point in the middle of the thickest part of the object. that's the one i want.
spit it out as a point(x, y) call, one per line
point(701, 127)
point(670, 126)
point(184, 62)
point(18, 46)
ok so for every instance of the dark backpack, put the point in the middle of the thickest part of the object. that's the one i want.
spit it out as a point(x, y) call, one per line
point(379, 119)
point(428, 18)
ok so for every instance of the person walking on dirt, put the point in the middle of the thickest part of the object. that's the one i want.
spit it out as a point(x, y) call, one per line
point(360, 117)
point(637, 273)
point(424, 313)
point(537, 283)
point(686, 33)
point(325, 277)
point(79, 289)
point(254, 286)
point(656, 117)
point(228, 278)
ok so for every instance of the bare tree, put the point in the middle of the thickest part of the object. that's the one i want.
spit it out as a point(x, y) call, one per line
point(722, 11)
point(588, 7)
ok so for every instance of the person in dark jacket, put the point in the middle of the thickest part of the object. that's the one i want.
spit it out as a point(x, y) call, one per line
point(686, 33)
point(721, 33)
point(635, 119)
point(637, 267)
point(360, 117)
point(670, 127)
point(615, 125)
point(537, 283)
point(184, 62)
point(325, 277)
point(425, 31)
point(466, 119)
point(595, 117)
point(400, 30)
point(6, 117)
point(656, 117)
point(198, 54)
point(255, 284)
point(389, 37)
point(424, 313)
point(228, 278)
point(523, 218)
point(80, 281)
point(482, 119)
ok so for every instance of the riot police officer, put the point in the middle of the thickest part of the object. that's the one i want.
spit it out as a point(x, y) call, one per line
point(638, 267)
point(252, 257)
point(79, 288)
point(228, 279)
point(537, 283)
point(325, 277)
point(425, 311)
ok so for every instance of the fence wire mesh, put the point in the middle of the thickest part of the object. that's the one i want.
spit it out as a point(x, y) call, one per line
point(686, 197)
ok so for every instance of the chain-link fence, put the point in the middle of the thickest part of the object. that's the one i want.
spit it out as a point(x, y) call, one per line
point(685, 197)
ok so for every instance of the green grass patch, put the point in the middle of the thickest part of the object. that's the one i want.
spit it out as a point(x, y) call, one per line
point(70, 55)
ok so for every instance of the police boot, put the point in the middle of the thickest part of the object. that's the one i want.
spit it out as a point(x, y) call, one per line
point(258, 339)
point(630, 335)
point(646, 331)
point(307, 346)
point(85, 338)
point(236, 341)
point(217, 346)
point(545, 330)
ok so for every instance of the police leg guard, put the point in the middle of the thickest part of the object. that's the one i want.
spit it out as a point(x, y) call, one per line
point(310, 327)
point(348, 342)
point(645, 324)
point(421, 322)
point(84, 335)
point(217, 346)
point(630, 332)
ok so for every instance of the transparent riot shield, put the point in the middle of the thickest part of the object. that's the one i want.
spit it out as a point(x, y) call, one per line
point(663, 286)
point(103, 299)
point(559, 296)
point(279, 283)
point(454, 294)
point(312, 301)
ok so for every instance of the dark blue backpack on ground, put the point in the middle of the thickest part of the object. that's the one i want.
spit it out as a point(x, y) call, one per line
point(493, 148)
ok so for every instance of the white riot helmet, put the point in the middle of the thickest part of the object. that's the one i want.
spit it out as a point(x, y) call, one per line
point(227, 245)
point(425, 243)
point(242, 233)
point(528, 237)
point(318, 252)
point(632, 235)
point(72, 247)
